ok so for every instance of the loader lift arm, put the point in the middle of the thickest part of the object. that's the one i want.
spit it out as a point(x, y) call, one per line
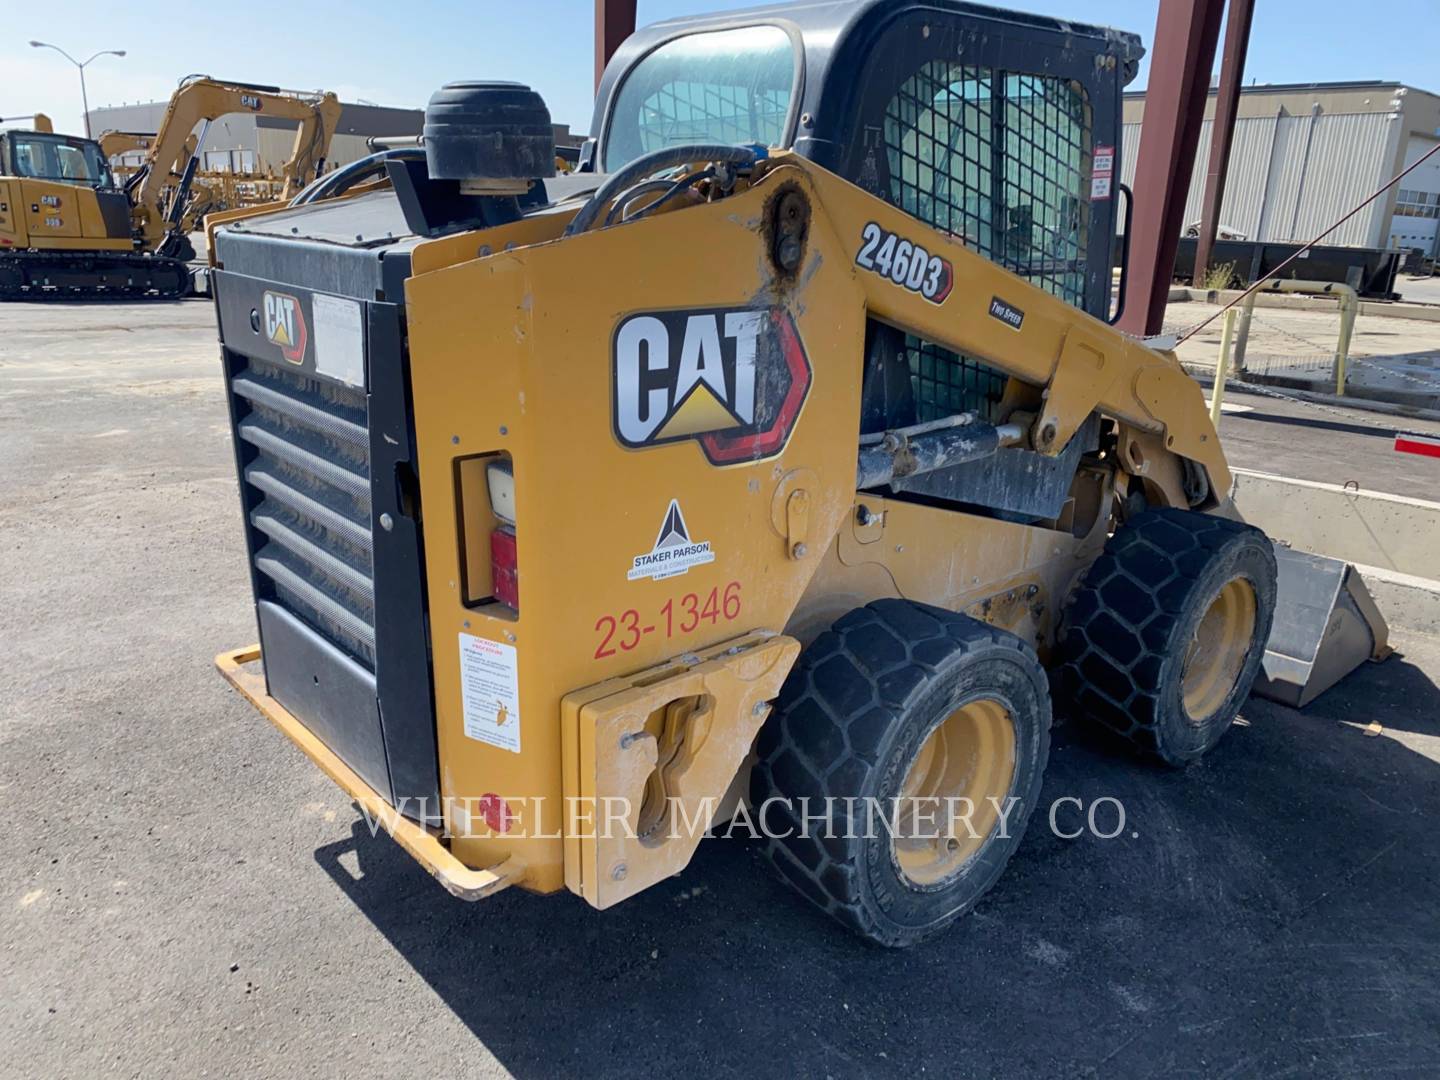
point(1078, 362)
point(998, 317)
point(201, 100)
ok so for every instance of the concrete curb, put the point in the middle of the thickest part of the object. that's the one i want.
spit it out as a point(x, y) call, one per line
point(1393, 532)
point(1349, 401)
point(1410, 402)
point(1352, 400)
point(1358, 527)
point(1389, 309)
point(1410, 604)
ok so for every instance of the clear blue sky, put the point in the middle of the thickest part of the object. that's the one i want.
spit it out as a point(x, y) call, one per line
point(397, 53)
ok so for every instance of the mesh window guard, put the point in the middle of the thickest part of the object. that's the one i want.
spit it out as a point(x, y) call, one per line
point(1000, 161)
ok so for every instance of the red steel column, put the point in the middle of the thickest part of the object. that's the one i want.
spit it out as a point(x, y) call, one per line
point(1180, 65)
point(614, 22)
point(1222, 132)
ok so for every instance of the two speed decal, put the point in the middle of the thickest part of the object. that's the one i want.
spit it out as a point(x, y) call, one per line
point(905, 263)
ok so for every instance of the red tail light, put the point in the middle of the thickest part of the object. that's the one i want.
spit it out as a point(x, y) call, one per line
point(504, 567)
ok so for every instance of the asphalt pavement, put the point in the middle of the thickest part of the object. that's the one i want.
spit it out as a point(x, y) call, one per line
point(190, 897)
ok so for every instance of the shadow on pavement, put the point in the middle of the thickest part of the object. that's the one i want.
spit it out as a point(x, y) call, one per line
point(1316, 422)
point(1269, 909)
point(62, 302)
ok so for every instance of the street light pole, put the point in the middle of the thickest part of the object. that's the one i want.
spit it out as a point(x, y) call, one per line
point(84, 97)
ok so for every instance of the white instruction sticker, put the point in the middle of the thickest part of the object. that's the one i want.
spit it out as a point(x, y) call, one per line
point(1100, 187)
point(339, 339)
point(490, 692)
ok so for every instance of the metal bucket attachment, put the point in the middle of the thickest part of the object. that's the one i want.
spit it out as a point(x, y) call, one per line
point(1326, 625)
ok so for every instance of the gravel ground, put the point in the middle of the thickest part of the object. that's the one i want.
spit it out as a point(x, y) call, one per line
point(190, 897)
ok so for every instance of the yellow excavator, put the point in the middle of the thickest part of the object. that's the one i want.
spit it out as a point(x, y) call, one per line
point(69, 229)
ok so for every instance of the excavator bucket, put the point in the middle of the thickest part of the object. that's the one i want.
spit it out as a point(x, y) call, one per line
point(1326, 625)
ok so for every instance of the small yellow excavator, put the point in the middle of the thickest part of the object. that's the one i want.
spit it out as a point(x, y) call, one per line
point(69, 229)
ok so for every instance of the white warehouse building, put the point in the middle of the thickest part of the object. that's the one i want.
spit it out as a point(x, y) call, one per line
point(1305, 154)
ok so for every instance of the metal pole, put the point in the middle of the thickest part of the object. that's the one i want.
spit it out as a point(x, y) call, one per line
point(84, 96)
point(1242, 333)
point(614, 22)
point(1185, 36)
point(1348, 305)
point(1222, 130)
point(84, 99)
point(1222, 369)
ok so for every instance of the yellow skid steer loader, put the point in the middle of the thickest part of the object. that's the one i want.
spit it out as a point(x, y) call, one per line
point(766, 468)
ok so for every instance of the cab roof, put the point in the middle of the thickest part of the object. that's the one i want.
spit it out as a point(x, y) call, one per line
point(836, 36)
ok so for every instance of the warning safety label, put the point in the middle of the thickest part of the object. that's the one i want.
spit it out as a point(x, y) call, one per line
point(490, 691)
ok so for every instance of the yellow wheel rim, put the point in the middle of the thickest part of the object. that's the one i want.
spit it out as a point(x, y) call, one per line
point(1217, 652)
point(954, 791)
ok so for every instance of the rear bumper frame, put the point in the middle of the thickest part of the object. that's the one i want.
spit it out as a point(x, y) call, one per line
point(423, 845)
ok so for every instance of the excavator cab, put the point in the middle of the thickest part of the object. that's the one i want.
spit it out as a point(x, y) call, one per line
point(57, 193)
point(38, 155)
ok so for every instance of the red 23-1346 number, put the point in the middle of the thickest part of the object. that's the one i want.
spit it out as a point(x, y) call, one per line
point(624, 632)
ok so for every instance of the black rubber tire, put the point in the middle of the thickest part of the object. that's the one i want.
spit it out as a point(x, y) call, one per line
point(854, 711)
point(1124, 635)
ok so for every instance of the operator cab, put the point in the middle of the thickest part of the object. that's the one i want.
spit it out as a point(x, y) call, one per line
point(997, 127)
point(35, 155)
point(981, 122)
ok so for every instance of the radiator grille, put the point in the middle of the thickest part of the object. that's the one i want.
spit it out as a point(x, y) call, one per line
point(310, 501)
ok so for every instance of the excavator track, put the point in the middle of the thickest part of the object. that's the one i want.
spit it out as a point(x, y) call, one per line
point(34, 275)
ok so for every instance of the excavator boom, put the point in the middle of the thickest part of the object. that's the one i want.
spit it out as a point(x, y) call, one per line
point(202, 100)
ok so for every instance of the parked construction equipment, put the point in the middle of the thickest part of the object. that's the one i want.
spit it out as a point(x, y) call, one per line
point(115, 144)
point(69, 230)
point(38, 122)
point(213, 190)
point(773, 460)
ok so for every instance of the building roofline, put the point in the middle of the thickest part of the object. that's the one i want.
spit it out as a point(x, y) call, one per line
point(164, 103)
point(1293, 88)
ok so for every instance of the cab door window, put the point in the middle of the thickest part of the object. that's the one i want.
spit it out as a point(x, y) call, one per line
point(999, 159)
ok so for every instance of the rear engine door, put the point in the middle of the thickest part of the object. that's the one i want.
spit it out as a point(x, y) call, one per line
point(52, 210)
point(12, 215)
